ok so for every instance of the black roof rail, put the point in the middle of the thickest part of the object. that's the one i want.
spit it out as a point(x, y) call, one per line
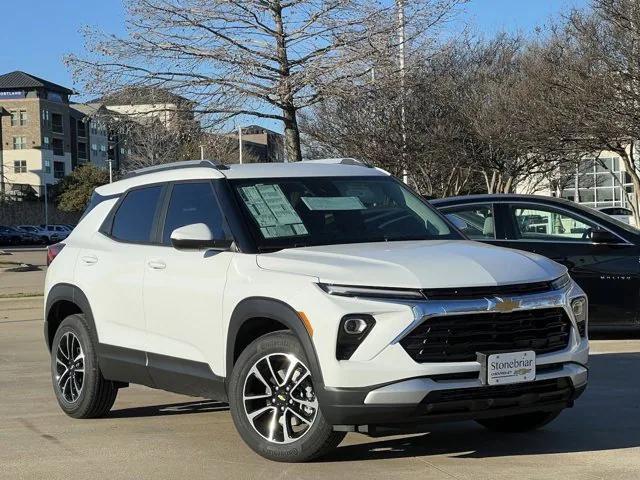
point(340, 161)
point(176, 166)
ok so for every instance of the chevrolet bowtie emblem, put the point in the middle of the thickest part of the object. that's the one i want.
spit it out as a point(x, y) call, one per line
point(506, 306)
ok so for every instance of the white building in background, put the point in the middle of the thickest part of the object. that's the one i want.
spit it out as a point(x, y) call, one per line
point(598, 182)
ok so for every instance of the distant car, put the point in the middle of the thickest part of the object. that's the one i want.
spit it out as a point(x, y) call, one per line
point(625, 215)
point(10, 236)
point(600, 252)
point(47, 236)
point(61, 231)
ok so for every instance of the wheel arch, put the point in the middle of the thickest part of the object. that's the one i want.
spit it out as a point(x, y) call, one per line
point(63, 300)
point(280, 316)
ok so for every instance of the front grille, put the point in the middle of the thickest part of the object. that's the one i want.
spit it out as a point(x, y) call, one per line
point(470, 293)
point(458, 338)
point(461, 400)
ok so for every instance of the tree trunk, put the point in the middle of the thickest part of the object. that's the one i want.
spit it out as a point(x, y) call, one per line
point(292, 147)
point(292, 136)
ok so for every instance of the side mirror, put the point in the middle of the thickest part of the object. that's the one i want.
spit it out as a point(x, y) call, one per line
point(603, 236)
point(197, 236)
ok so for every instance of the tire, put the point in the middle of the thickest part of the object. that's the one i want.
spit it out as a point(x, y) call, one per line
point(519, 423)
point(293, 403)
point(90, 396)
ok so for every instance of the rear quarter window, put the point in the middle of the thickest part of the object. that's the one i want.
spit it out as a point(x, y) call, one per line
point(135, 217)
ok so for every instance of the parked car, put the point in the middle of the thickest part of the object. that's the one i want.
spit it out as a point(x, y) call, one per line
point(316, 298)
point(600, 252)
point(10, 236)
point(61, 232)
point(625, 215)
point(30, 238)
point(47, 236)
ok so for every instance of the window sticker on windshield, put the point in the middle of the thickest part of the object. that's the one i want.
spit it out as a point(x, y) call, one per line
point(273, 212)
point(333, 203)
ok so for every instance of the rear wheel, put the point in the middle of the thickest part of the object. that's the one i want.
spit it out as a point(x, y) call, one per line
point(519, 423)
point(274, 404)
point(80, 388)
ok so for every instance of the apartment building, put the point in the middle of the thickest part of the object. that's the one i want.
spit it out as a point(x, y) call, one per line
point(44, 136)
point(35, 134)
point(262, 144)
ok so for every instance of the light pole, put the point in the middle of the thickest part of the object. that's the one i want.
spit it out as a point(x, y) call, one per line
point(401, 62)
point(240, 145)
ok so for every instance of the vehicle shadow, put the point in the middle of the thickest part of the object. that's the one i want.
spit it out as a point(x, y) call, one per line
point(606, 417)
point(199, 406)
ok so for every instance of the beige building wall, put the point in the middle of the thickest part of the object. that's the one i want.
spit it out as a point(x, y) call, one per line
point(38, 134)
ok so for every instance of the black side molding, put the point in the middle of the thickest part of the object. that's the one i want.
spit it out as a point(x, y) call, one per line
point(153, 370)
point(73, 294)
point(264, 307)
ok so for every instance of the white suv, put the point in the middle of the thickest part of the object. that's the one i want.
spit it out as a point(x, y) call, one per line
point(317, 298)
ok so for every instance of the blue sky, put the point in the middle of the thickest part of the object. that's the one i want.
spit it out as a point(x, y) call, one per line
point(47, 30)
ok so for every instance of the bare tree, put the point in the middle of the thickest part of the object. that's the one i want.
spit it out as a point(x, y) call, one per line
point(595, 82)
point(475, 115)
point(261, 58)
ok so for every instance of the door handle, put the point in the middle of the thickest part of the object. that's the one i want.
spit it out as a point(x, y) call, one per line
point(89, 259)
point(157, 264)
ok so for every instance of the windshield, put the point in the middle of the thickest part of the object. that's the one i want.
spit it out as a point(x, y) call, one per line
point(294, 212)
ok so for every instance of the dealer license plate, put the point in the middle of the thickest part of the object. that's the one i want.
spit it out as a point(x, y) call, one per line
point(513, 367)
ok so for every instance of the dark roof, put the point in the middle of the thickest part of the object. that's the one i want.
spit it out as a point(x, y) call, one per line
point(136, 95)
point(257, 129)
point(20, 80)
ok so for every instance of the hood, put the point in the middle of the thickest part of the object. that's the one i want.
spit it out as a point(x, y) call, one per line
point(414, 264)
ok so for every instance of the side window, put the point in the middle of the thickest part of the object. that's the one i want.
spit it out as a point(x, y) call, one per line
point(133, 222)
point(194, 203)
point(547, 223)
point(475, 221)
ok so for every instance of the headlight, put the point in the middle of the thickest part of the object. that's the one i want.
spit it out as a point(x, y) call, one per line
point(579, 307)
point(372, 292)
point(560, 282)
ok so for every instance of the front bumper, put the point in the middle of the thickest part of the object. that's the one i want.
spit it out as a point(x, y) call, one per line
point(383, 387)
point(410, 404)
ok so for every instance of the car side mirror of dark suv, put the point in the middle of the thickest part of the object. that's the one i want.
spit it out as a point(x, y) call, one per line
point(197, 236)
point(603, 236)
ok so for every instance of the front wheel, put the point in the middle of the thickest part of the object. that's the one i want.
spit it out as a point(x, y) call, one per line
point(519, 423)
point(274, 404)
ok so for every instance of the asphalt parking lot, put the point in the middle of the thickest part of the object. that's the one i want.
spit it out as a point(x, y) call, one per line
point(153, 434)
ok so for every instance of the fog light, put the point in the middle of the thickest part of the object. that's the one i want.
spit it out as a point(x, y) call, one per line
point(354, 326)
point(580, 312)
point(352, 331)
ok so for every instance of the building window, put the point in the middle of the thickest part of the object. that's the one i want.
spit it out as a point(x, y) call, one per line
point(47, 166)
point(45, 143)
point(94, 148)
point(82, 129)
point(82, 150)
point(46, 117)
point(601, 183)
point(56, 145)
point(103, 148)
point(58, 169)
point(56, 123)
point(20, 166)
point(18, 117)
point(19, 143)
